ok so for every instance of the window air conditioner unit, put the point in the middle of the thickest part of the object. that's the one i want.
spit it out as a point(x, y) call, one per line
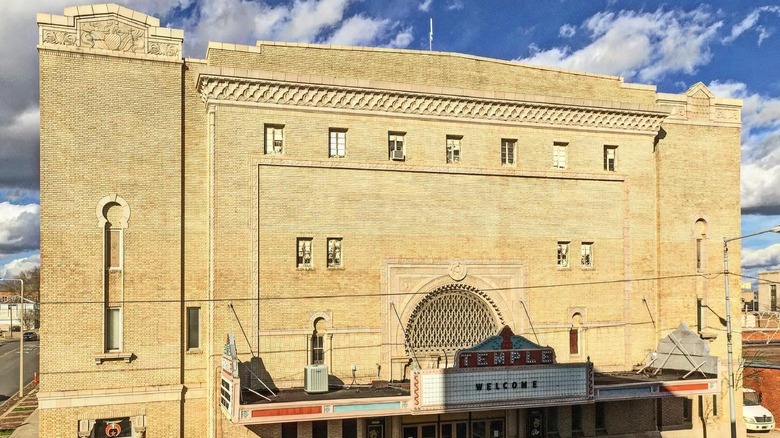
point(315, 378)
point(397, 154)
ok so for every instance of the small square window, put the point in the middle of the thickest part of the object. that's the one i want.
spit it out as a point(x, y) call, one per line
point(274, 139)
point(610, 154)
point(508, 152)
point(334, 253)
point(563, 254)
point(395, 145)
point(304, 252)
point(338, 143)
point(559, 155)
point(586, 254)
point(453, 149)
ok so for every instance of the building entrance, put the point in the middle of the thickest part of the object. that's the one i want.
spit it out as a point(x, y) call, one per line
point(457, 429)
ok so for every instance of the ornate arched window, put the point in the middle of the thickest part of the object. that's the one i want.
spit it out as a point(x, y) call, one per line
point(451, 317)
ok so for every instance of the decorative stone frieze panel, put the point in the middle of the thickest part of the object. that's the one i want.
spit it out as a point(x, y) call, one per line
point(699, 105)
point(109, 28)
point(276, 92)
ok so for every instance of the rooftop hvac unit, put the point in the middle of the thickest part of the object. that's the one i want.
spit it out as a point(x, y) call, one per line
point(315, 378)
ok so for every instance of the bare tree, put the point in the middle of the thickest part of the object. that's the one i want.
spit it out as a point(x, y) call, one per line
point(31, 318)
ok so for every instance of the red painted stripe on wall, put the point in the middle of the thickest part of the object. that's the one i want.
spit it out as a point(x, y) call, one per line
point(287, 411)
point(688, 387)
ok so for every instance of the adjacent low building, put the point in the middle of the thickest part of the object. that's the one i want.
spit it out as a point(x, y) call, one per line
point(293, 240)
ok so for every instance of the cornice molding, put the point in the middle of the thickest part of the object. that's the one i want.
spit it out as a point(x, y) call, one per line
point(265, 91)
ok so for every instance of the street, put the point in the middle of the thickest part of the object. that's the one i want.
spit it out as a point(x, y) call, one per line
point(9, 365)
point(770, 434)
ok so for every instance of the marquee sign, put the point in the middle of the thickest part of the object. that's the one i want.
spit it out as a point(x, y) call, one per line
point(229, 380)
point(454, 389)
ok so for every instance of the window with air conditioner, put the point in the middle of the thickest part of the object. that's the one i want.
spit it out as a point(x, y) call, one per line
point(396, 142)
point(334, 253)
point(453, 149)
point(304, 254)
point(274, 139)
point(610, 154)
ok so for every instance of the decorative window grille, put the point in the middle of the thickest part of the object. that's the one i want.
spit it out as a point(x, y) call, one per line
point(274, 140)
point(563, 254)
point(338, 143)
point(450, 318)
point(395, 145)
point(586, 254)
point(334, 253)
point(453, 149)
point(610, 152)
point(508, 152)
point(304, 253)
point(559, 155)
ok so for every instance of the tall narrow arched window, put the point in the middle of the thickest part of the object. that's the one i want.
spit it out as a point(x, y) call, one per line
point(113, 214)
point(574, 334)
point(700, 234)
point(318, 342)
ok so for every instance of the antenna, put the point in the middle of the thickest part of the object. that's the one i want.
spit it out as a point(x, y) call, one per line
point(430, 37)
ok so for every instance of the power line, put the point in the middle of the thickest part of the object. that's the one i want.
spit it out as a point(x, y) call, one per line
point(708, 276)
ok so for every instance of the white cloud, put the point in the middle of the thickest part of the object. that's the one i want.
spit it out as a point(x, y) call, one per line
point(760, 172)
point(19, 228)
point(761, 258)
point(749, 22)
point(643, 45)
point(454, 5)
point(402, 39)
point(17, 266)
point(425, 6)
point(358, 31)
point(567, 31)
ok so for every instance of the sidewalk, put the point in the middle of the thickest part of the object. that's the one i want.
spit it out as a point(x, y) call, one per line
point(28, 429)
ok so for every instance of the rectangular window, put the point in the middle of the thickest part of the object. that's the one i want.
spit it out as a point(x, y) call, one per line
point(559, 155)
point(338, 143)
point(563, 254)
point(317, 349)
point(319, 429)
point(304, 252)
point(453, 149)
point(113, 248)
point(114, 329)
point(699, 262)
point(586, 254)
point(395, 145)
point(773, 297)
point(274, 139)
point(610, 152)
point(576, 420)
point(289, 430)
point(334, 253)
point(508, 152)
point(193, 328)
point(349, 428)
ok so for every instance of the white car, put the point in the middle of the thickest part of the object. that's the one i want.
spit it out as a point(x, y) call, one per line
point(757, 417)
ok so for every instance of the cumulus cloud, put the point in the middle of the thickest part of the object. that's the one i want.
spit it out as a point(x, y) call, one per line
point(17, 266)
point(760, 147)
point(749, 22)
point(638, 45)
point(425, 6)
point(567, 31)
point(19, 228)
point(454, 5)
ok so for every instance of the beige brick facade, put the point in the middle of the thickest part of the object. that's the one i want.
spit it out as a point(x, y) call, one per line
point(171, 153)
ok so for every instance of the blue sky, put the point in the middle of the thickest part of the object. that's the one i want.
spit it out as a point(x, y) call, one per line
point(731, 46)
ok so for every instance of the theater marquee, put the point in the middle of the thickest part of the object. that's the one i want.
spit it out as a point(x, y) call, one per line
point(453, 389)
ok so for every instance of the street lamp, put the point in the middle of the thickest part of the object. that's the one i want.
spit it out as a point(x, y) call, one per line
point(21, 335)
point(729, 350)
